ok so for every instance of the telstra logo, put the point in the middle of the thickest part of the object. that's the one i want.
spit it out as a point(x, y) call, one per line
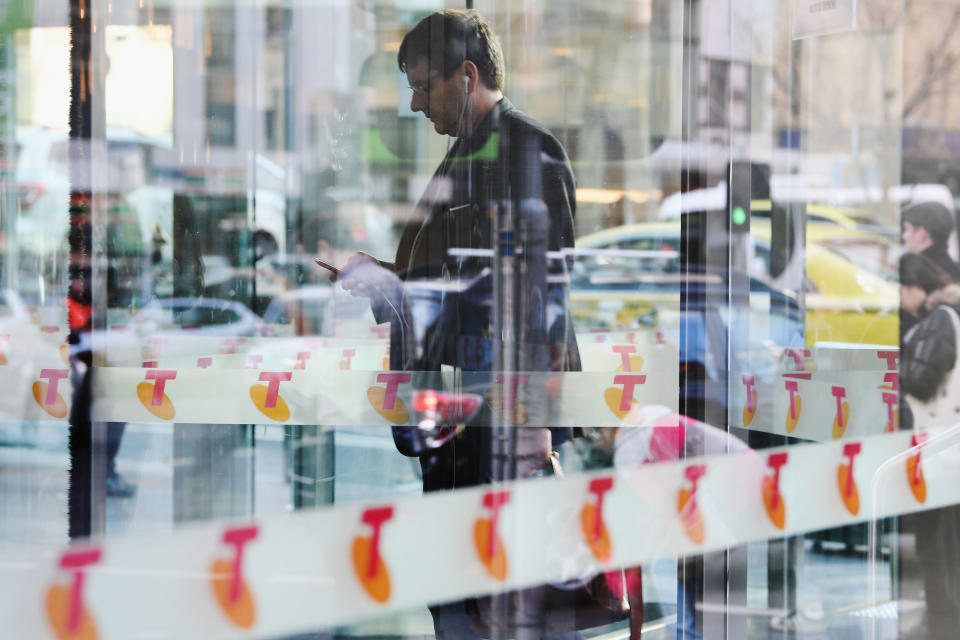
point(842, 416)
point(591, 520)
point(152, 396)
point(918, 484)
point(347, 357)
point(845, 480)
point(385, 400)
point(503, 397)
point(267, 398)
point(687, 506)
point(368, 564)
point(772, 500)
point(486, 538)
point(45, 393)
point(4, 341)
point(892, 400)
point(618, 400)
point(226, 577)
point(750, 407)
point(795, 406)
point(66, 610)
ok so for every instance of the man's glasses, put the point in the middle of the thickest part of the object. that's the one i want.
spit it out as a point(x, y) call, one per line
point(423, 88)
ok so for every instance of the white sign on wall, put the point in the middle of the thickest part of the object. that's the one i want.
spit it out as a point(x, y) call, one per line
point(817, 17)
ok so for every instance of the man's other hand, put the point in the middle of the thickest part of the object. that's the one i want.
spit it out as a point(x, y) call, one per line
point(363, 277)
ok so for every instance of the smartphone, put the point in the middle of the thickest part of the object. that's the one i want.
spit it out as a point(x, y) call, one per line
point(327, 265)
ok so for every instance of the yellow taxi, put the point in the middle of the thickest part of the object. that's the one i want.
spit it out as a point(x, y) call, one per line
point(629, 277)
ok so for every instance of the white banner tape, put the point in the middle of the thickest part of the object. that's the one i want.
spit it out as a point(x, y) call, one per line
point(337, 565)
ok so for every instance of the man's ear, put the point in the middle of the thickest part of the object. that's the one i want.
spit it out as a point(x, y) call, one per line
point(471, 75)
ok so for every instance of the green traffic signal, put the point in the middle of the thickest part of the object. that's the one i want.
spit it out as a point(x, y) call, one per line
point(739, 216)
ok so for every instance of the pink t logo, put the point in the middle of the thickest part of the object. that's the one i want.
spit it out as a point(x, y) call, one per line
point(625, 352)
point(203, 363)
point(775, 462)
point(254, 360)
point(347, 356)
point(798, 356)
point(693, 473)
point(53, 376)
point(393, 381)
point(302, 357)
point(512, 381)
point(153, 344)
point(599, 487)
point(890, 357)
point(375, 517)
point(273, 389)
point(230, 344)
point(792, 387)
point(629, 382)
point(76, 561)
point(381, 331)
point(494, 500)
point(160, 377)
point(850, 450)
point(238, 538)
point(4, 341)
point(748, 382)
point(839, 393)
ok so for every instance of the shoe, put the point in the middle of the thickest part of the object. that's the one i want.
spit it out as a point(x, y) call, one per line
point(117, 487)
point(797, 623)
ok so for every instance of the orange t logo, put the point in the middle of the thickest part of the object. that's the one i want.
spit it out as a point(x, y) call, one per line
point(267, 399)
point(233, 594)
point(591, 520)
point(842, 417)
point(845, 480)
point(152, 397)
point(65, 608)
point(347, 356)
point(620, 401)
point(385, 401)
point(750, 408)
point(918, 484)
point(46, 394)
point(368, 564)
point(772, 499)
point(687, 504)
point(486, 540)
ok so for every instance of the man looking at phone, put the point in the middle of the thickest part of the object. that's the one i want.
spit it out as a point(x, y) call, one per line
point(501, 158)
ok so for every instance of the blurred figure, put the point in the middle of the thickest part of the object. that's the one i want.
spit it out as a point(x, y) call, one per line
point(927, 228)
point(930, 378)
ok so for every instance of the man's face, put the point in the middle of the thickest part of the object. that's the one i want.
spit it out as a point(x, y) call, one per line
point(915, 239)
point(440, 99)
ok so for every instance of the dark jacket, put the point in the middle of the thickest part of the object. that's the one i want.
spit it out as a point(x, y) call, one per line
point(929, 349)
point(939, 256)
point(445, 315)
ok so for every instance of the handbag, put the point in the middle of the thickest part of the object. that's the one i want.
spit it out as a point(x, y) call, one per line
point(943, 408)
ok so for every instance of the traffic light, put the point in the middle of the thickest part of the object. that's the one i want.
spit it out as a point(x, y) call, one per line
point(739, 195)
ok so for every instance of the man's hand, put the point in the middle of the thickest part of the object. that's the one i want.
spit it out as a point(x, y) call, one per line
point(361, 276)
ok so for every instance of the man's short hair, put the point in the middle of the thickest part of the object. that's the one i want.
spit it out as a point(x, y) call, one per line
point(449, 37)
point(932, 216)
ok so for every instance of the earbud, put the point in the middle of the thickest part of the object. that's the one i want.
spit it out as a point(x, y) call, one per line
point(466, 84)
